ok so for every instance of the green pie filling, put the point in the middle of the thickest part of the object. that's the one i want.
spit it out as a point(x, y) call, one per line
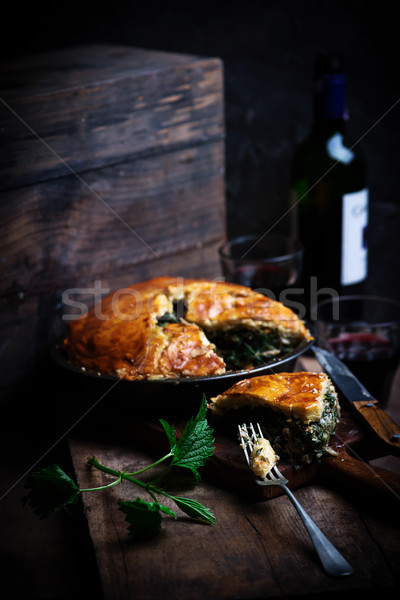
point(243, 348)
point(299, 442)
point(240, 348)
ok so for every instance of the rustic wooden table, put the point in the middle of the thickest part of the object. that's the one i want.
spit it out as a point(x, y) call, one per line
point(257, 549)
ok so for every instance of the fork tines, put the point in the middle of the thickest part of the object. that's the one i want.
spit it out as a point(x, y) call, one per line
point(247, 440)
point(249, 435)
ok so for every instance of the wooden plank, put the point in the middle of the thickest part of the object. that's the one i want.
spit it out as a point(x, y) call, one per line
point(178, 564)
point(256, 550)
point(86, 107)
point(86, 64)
point(113, 219)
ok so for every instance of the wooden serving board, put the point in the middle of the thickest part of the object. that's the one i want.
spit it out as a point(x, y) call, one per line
point(228, 468)
point(256, 550)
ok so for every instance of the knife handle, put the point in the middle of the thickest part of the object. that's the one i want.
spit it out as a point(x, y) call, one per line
point(358, 475)
point(381, 423)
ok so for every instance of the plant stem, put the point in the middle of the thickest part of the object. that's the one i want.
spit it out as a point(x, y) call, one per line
point(152, 465)
point(123, 475)
point(103, 487)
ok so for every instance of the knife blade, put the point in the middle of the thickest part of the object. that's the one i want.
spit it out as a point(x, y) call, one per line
point(364, 404)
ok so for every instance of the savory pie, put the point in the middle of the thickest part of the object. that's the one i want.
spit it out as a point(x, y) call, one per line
point(298, 411)
point(171, 327)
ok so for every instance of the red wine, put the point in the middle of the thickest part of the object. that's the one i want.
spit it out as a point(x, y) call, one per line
point(268, 264)
point(372, 358)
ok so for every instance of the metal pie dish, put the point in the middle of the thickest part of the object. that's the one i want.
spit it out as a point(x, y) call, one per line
point(169, 393)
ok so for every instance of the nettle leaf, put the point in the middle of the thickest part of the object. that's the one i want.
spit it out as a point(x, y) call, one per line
point(194, 447)
point(144, 518)
point(194, 509)
point(50, 490)
point(171, 435)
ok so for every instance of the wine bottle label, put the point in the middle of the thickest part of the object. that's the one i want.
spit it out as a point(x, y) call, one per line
point(354, 237)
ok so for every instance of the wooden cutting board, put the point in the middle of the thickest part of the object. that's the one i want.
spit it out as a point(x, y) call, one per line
point(228, 468)
point(256, 550)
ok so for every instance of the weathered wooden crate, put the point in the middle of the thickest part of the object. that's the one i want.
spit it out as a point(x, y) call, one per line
point(111, 171)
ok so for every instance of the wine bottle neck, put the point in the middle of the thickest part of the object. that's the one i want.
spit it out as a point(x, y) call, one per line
point(329, 101)
point(326, 128)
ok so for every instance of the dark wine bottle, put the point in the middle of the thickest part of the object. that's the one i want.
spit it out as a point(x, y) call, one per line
point(329, 191)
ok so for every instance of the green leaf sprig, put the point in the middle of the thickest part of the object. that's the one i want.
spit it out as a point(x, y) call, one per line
point(51, 489)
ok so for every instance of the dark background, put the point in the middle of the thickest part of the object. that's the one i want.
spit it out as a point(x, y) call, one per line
point(268, 50)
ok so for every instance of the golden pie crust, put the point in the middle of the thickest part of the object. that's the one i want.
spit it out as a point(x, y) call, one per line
point(122, 335)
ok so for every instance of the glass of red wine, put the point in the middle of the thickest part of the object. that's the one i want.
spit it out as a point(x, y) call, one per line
point(269, 264)
point(364, 332)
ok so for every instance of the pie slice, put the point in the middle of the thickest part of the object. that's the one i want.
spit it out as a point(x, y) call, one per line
point(299, 411)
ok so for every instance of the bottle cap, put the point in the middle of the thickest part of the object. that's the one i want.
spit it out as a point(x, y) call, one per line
point(329, 63)
point(330, 86)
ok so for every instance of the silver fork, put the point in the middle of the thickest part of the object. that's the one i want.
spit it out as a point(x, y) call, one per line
point(332, 561)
